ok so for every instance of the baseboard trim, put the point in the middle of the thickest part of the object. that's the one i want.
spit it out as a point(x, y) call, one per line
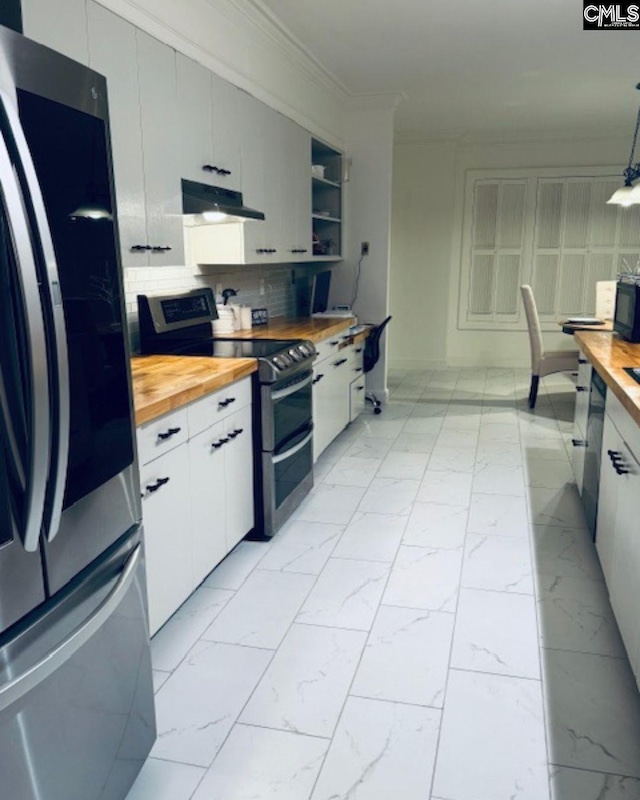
point(413, 364)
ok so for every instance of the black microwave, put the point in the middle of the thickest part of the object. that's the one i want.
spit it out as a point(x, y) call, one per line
point(626, 319)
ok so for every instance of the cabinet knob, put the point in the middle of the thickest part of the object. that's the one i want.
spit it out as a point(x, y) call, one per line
point(157, 485)
point(168, 434)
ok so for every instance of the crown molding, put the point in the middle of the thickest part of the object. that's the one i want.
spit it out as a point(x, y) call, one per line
point(383, 101)
point(268, 24)
point(560, 136)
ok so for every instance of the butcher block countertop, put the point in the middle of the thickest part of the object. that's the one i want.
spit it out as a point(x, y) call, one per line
point(164, 383)
point(609, 354)
point(313, 328)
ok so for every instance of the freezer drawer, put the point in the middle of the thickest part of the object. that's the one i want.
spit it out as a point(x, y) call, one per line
point(76, 700)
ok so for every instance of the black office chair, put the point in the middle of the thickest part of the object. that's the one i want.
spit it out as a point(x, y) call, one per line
point(370, 359)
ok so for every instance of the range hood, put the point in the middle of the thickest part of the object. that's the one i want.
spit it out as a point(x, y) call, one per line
point(205, 204)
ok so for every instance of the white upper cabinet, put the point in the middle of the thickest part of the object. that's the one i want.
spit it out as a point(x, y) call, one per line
point(69, 33)
point(296, 192)
point(225, 165)
point(195, 112)
point(113, 53)
point(161, 131)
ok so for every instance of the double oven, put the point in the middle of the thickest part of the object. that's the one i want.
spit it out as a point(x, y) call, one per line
point(282, 416)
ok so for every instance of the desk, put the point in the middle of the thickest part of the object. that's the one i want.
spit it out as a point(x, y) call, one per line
point(571, 327)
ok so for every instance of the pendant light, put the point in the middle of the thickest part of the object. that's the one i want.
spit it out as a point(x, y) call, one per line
point(629, 195)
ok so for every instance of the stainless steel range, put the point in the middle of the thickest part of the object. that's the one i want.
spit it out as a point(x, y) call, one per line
point(282, 421)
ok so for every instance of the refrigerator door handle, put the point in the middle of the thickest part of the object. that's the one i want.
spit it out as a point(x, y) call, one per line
point(38, 468)
point(57, 472)
point(56, 658)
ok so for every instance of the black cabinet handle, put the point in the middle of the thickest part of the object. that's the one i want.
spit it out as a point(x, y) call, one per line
point(217, 170)
point(617, 461)
point(334, 342)
point(581, 389)
point(582, 361)
point(339, 362)
point(157, 485)
point(140, 248)
point(158, 248)
point(359, 369)
point(168, 434)
point(226, 402)
point(360, 388)
point(266, 250)
point(220, 442)
point(358, 349)
point(578, 443)
point(319, 378)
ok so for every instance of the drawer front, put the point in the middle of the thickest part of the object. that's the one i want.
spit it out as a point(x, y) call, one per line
point(217, 406)
point(162, 435)
point(330, 346)
point(356, 353)
point(624, 422)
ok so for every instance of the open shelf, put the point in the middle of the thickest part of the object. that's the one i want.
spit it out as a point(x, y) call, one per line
point(326, 202)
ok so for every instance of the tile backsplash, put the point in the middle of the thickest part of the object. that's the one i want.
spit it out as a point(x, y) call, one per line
point(286, 287)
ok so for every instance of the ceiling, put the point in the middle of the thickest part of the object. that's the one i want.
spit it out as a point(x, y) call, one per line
point(475, 69)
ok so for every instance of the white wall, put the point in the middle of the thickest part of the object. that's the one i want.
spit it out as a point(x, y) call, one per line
point(369, 142)
point(428, 197)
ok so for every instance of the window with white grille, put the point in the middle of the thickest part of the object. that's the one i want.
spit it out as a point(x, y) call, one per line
point(553, 231)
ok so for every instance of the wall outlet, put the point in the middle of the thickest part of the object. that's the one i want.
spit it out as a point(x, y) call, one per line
point(364, 248)
point(261, 286)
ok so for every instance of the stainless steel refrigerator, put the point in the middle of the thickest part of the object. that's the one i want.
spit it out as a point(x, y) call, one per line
point(76, 702)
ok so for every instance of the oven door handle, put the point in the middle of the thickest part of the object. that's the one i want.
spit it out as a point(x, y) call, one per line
point(288, 453)
point(282, 393)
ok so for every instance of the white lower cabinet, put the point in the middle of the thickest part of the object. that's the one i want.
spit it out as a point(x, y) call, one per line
point(239, 477)
point(164, 485)
point(617, 540)
point(332, 376)
point(197, 490)
point(208, 498)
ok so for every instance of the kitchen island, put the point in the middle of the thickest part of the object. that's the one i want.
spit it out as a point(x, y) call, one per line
point(618, 480)
point(609, 354)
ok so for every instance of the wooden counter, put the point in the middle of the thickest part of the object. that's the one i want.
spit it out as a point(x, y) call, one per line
point(609, 354)
point(164, 383)
point(313, 328)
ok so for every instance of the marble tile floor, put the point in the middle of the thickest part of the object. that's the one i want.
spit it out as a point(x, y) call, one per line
point(431, 625)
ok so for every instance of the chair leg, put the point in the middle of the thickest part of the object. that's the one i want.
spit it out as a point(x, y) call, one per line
point(377, 405)
point(533, 391)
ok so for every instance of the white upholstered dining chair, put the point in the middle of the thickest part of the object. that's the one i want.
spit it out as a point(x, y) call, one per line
point(543, 362)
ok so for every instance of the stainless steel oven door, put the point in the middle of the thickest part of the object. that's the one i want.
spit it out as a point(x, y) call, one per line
point(287, 477)
point(286, 409)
